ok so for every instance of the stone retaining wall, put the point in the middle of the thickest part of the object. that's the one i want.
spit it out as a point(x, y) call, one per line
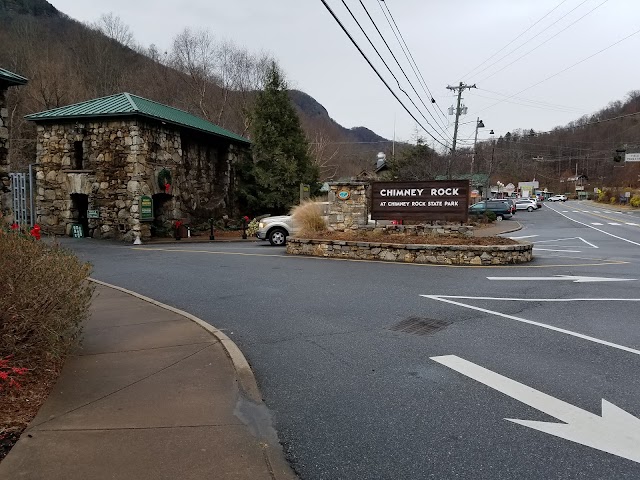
point(424, 254)
point(422, 230)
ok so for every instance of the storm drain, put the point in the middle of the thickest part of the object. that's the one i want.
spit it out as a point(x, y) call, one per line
point(420, 326)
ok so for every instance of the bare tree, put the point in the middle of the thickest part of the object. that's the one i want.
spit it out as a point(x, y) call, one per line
point(114, 27)
point(323, 155)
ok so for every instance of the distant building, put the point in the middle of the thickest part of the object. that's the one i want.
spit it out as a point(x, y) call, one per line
point(123, 166)
point(7, 79)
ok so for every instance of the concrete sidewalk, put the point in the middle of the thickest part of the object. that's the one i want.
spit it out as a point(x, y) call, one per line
point(150, 395)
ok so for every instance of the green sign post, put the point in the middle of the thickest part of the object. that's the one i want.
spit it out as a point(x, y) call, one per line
point(146, 209)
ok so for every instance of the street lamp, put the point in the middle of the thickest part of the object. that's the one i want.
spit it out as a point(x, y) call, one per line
point(493, 149)
point(479, 124)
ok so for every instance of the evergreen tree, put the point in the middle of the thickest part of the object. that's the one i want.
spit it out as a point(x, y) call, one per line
point(281, 162)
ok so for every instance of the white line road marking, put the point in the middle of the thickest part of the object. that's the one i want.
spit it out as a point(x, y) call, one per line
point(615, 224)
point(576, 211)
point(536, 243)
point(537, 300)
point(573, 278)
point(596, 223)
point(565, 211)
point(616, 432)
point(594, 228)
point(631, 223)
point(523, 237)
point(550, 250)
point(537, 324)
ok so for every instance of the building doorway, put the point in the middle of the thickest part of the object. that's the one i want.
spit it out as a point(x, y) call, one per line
point(79, 211)
point(162, 215)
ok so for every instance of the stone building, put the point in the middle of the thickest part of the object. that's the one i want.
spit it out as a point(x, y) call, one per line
point(124, 167)
point(7, 79)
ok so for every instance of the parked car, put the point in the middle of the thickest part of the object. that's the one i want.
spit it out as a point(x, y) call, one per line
point(275, 229)
point(501, 208)
point(557, 198)
point(526, 204)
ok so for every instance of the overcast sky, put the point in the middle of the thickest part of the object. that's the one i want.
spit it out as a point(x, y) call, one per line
point(447, 39)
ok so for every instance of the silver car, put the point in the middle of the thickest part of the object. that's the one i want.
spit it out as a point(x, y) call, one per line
point(275, 229)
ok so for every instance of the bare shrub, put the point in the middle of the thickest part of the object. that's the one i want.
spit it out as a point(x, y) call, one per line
point(308, 217)
point(44, 296)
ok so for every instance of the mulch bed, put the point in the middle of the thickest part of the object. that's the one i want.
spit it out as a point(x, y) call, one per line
point(19, 406)
point(359, 236)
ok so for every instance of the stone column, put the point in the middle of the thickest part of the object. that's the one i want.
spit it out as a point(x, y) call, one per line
point(348, 206)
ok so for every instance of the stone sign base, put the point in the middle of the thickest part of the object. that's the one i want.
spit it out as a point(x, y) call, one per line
point(478, 255)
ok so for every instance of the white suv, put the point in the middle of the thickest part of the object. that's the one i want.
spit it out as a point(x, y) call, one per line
point(526, 204)
point(557, 198)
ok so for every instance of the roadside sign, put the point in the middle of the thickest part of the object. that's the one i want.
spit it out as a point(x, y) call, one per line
point(93, 213)
point(429, 200)
point(627, 194)
point(146, 209)
point(632, 157)
point(77, 231)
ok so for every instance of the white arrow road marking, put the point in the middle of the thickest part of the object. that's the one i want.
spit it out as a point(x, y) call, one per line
point(531, 322)
point(616, 431)
point(573, 278)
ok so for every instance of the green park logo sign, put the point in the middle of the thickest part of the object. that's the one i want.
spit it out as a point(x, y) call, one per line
point(446, 200)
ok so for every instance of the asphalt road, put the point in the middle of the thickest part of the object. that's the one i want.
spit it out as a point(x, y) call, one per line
point(356, 394)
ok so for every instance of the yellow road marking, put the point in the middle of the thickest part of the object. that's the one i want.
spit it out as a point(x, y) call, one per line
point(517, 265)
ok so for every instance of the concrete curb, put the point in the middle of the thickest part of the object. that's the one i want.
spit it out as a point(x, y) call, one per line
point(246, 378)
point(514, 229)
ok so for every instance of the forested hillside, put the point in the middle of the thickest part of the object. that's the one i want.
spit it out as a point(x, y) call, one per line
point(67, 61)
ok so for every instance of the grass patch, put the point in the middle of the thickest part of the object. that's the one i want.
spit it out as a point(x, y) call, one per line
point(308, 217)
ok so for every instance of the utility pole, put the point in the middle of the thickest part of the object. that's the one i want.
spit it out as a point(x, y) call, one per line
point(460, 88)
point(479, 124)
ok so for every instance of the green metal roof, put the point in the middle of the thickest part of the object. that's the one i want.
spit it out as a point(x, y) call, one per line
point(126, 104)
point(11, 78)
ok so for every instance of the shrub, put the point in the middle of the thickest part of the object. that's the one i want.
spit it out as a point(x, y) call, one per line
point(491, 216)
point(613, 200)
point(308, 217)
point(45, 296)
point(635, 201)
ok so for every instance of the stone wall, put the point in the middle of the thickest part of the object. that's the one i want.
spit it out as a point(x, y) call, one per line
point(421, 230)
point(423, 254)
point(5, 198)
point(348, 211)
point(121, 161)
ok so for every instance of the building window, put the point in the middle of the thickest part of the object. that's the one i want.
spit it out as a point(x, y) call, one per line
point(78, 154)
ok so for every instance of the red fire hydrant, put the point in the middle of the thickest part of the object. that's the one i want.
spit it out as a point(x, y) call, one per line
point(35, 232)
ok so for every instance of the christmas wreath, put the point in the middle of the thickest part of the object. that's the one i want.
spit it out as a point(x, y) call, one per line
point(164, 180)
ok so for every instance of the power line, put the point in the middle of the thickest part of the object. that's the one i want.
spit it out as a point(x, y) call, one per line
point(542, 107)
point(399, 65)
point(563, 70)
point(566, 107)
point(547, 40)
point(529, 40)
point(408, 53)
point(378, 73)
point(539, 20)
point(394, 57)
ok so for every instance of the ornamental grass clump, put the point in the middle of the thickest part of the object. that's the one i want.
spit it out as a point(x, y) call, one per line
point(44, 296)
point(308, 218)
